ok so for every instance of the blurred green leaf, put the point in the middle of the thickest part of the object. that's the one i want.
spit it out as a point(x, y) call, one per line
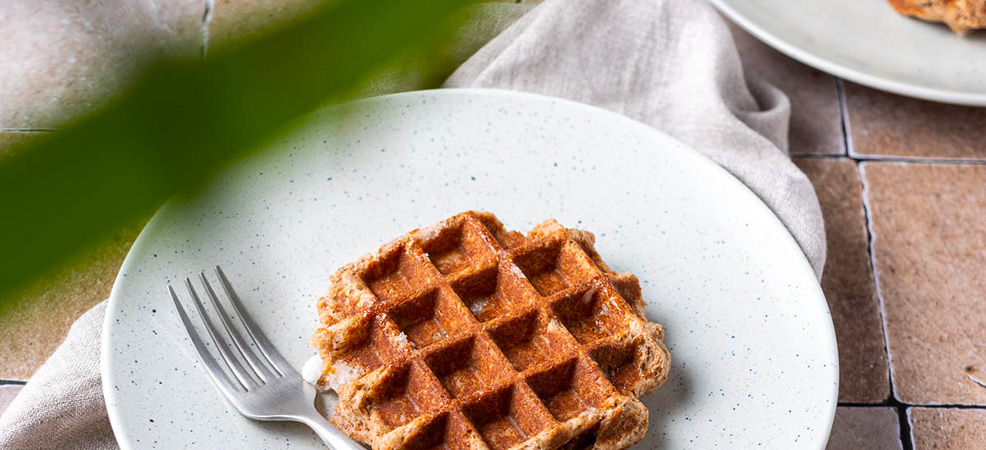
point(183, 121)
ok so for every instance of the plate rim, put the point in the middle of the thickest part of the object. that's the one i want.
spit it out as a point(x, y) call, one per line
point(115, 298)
point(923, 92)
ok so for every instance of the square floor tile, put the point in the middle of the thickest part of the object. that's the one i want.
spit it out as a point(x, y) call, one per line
point(930, 250)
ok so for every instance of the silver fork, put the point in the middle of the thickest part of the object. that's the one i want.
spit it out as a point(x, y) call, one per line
point(266, 387)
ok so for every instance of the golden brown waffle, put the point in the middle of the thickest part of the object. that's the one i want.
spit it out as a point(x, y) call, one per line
point(464, 335)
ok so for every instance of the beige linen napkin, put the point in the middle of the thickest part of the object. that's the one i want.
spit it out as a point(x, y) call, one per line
point(671, 64)
point(62, 406)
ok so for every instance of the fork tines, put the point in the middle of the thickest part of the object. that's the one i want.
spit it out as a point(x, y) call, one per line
point(252, 360)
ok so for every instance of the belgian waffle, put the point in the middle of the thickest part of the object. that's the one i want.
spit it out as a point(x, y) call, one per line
point(464, 335)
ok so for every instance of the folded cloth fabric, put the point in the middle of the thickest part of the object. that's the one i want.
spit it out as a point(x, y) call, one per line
point(671, 64)
point(62, 406)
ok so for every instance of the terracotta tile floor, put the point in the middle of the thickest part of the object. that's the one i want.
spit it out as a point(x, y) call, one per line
point(905, 276)
point(905, 191)
point(865, 428)
point(930, 251)
point(921, 220)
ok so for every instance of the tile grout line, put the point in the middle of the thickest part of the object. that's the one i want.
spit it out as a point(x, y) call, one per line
point(810, 156)
point(893, 403)
point(919, 160)
point(976, 380)
point(844, 112)
point(29, 130)
point(903, 411)
point(947, 406)
point(909, 428)
point(906, 431)
point(893, 159)
point(907, 441)
point(871, 241)
point(210, 6)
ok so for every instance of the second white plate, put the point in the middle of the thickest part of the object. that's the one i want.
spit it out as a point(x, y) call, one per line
point(869, 43)
point(753, 350)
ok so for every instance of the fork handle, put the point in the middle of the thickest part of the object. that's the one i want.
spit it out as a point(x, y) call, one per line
point(335, 439)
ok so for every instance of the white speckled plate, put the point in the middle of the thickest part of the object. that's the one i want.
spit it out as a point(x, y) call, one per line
point(866, 41)
point(754, 354)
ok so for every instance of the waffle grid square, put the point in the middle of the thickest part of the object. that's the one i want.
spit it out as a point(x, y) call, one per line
point(464, 335)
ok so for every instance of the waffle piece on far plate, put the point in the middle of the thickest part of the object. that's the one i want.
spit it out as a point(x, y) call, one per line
point(960, 15)
point(467, 336)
